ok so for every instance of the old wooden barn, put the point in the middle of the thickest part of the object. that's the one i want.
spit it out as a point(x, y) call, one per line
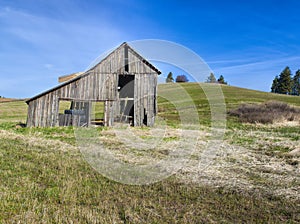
point(120, 88)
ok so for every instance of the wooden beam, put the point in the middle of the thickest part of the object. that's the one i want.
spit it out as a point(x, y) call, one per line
point(68, 77)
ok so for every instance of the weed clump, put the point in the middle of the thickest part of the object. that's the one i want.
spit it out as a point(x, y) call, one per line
point(266, 113)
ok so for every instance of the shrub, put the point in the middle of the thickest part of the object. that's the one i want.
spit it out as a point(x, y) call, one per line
point(181, 78)
point(266, 113)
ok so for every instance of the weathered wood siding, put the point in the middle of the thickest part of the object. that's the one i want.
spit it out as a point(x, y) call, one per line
point(95, 86)
point(144, 89)
point(145, 99)
point(101, 84)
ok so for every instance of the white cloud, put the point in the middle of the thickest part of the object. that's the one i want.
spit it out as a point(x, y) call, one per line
point(40, 46)
point(256, 74)
point(260, 65)
point(46, 32)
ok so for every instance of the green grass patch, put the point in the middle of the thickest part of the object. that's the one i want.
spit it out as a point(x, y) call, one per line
point(14, 111)
point(56, 186)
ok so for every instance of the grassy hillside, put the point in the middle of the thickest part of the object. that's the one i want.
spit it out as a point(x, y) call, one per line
point(233, 97)
point(253, 178)
point(13, 111)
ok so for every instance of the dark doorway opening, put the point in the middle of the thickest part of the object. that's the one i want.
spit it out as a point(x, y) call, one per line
point(126, 97)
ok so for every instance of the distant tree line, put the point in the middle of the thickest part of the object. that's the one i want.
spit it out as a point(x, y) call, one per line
point(183, 78)
point(212, 79)
point(285, 83)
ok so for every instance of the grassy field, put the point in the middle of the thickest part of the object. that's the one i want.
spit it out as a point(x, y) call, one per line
point(254, 177)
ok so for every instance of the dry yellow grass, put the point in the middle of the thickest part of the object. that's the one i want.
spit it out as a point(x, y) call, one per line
point(47, 180)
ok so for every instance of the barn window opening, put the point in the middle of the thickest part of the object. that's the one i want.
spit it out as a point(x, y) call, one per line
point(97, 113)
point(64, 105)
point(73, 113)
point(126, 86)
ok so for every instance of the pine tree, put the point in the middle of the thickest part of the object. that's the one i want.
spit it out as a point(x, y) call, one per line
point(285, 81)
point(170, 77)
point(221, 80)
point(296, 84)
point(211, 78)
point(275, 84)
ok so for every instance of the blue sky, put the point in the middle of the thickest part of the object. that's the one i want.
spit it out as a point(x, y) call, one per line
point(248, 42)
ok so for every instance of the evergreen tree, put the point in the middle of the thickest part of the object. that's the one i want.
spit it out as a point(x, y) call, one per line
point(170, 77)
point(221, 80)
point(285, 81)
point(275, 85)
point(181, 78)
point(296, 84)
point(211, 78)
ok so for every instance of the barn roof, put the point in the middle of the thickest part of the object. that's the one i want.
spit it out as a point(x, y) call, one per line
point(65, 78)
point(87, 72)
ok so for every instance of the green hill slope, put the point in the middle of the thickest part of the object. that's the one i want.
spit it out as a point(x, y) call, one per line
point(233, 97)
point(253, 177)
